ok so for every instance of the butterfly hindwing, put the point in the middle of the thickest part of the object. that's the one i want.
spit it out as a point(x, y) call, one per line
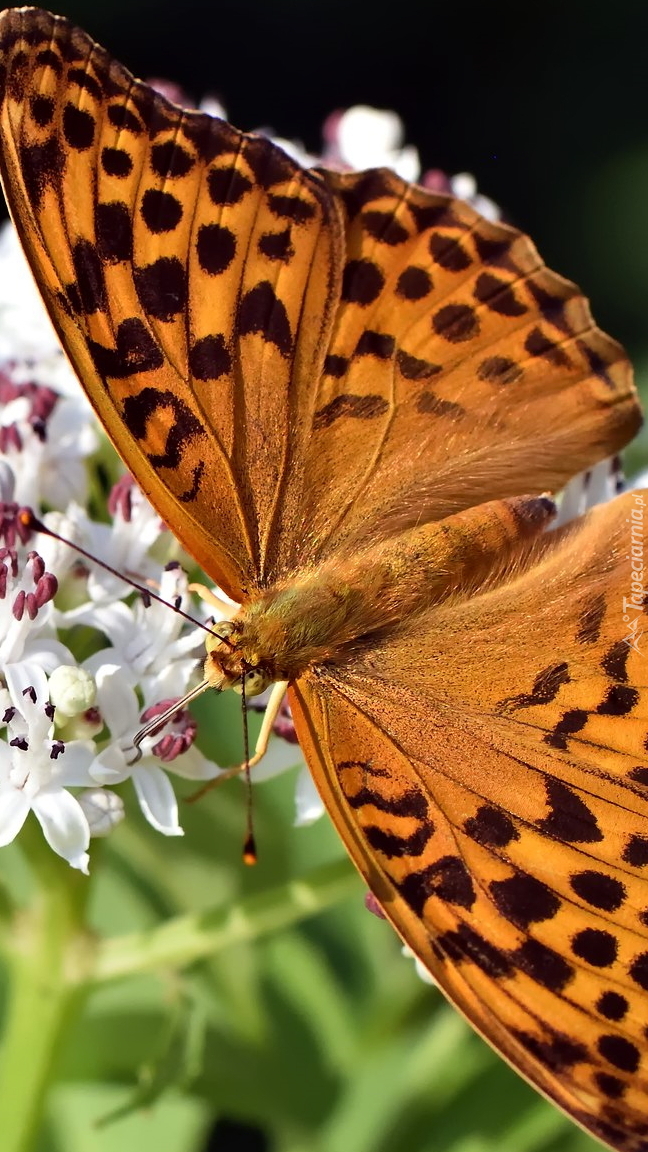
point(487, 771)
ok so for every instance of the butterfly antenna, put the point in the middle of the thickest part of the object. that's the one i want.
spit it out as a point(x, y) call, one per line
point(27, 518)
point(249, 846)
point(158, 722)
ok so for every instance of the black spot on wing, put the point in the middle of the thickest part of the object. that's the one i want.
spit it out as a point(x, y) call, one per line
point(90, 280)
point(209, 358)
point(348, 405)
point(448, 879)
point(42, 165)
point(162, 287)
point(146, 416)
point(615, 660)
point(362, 282)
point(171, 160)
point(491, 827)
point(598, 889)
point(545, 689)
point(612, 1005)
point(414, 368)
point(571, 721)
point(114, 232)
point(430, 404)
point(391, 845)
point(262, 312)
point(378, 344)
point(538, 344)
point(569, 819)
point(543, 964)
point(216, 248)
point(465, 944)
point(556, 1051)
point(498, 295)
point(456, 323)
point(499, 370)
point(78, 128)
point(135, 351)
point(523, 899)
point(596, 946)
point(227, 186)
point(160, 211)
point(619, 700)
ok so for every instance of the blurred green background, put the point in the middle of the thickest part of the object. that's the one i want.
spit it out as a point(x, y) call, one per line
point(321, 1038)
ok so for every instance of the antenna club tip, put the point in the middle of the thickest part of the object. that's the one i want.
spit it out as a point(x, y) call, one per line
point(249, 851)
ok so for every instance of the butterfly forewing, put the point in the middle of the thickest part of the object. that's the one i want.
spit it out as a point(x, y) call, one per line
point(190, 271)
point(454, 352)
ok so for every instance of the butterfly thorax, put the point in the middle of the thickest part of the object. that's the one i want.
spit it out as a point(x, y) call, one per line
point(325, 615)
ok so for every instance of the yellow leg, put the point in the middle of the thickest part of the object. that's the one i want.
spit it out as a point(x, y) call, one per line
point(261, 747)
point(211, 598)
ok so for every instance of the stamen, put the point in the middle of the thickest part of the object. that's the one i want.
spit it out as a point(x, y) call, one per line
point(121, 498)
point(38, 565)
point(159, 721)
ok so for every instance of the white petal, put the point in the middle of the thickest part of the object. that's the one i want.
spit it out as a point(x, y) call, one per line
point(279, 758)
point(157, 799)
point(71, 769)
point(117, 701)
point(64, 826)
point(421, 970)
point(308, 804)
point(192, 765)
point(110, 766)
point(22, 676)
point(14, 807)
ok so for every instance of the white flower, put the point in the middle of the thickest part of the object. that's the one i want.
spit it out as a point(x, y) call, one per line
point(36, 770)
point(595, 486)
point(149, 644)
point(308, 802)
point(121, 712)
point(364, 137)
point(26, 633)
point(27, 339)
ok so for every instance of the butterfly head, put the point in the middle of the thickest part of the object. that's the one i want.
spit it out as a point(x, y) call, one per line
point(228, 664)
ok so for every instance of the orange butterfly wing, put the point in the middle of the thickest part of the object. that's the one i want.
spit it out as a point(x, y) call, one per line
point(487, 771)
point(190, 271)
point(460, 369)
point(275, 402)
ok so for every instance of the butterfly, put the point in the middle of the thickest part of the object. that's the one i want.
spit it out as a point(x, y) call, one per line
point(349, 398)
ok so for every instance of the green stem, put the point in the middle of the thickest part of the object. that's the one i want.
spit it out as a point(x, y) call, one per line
point(49, 957)
point(185, 939)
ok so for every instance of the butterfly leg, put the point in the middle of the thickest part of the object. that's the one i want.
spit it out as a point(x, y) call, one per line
point(261, 747)
point(212, 599)
point(270, 715)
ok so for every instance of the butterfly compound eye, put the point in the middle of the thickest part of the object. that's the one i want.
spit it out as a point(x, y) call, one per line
point(256, 682)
